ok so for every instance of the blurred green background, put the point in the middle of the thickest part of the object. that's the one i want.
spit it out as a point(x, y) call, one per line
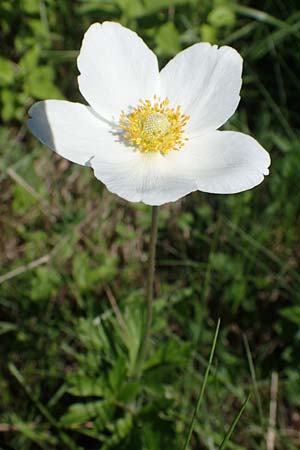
point(73, 256)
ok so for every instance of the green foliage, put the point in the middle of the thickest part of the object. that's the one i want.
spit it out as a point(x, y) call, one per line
point(167, 39)
point(73, 257)
point(221, 16)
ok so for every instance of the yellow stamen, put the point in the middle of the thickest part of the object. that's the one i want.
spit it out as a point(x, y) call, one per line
point(154, 127)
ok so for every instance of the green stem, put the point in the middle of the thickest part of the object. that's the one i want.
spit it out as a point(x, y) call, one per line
point(149, 291)
point(226, 439)
point(201, 393)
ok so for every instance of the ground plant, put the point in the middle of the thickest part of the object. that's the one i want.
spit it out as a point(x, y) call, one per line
point(74, 257)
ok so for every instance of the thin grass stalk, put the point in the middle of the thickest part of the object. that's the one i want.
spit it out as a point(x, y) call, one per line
point(201, 393)
point(226, 439)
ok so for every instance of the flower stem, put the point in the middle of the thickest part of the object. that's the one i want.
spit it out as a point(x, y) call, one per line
point(148, 312)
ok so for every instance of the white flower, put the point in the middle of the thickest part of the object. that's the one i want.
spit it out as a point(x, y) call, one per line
point(151, 136)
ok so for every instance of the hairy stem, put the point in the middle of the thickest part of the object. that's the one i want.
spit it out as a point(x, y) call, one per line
point(148, 313)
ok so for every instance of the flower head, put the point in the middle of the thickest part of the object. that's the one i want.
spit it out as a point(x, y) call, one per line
point(154, 127)
point(151, 136)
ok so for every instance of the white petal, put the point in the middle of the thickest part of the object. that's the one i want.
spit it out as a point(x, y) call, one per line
point(219, 162)
point(75, 132)
point(222, 162)
point(117, 68)
point(205, 80)
point(150, 178)
point(225, 162)
point(72, 130)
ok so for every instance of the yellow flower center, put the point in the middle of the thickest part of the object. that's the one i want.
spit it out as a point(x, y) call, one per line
point(157, 124)
point(154, 127)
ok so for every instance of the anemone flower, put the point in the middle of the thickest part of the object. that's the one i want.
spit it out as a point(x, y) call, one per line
point(151, 136)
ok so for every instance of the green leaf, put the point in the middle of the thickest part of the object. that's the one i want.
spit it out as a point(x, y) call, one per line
point(131, 8)
point(84, 386)
point(9, 100)
point(158, 434)
point(22, 200)
point(87, 273)
point(152, 6)
point(92, 335)
point(170, 352)
point(117, 375)
point(7, 73)
point(292, 313)
point(5, 327)
point(208, 33)
point(129, 391)
point(120, 429)
point(36, 434)
point(81, 412)
point(39, 83)
point(29, 60)
point(132, 317)
point(221, 16)
point(44, 283)
point(31, 6)
point(167, 39)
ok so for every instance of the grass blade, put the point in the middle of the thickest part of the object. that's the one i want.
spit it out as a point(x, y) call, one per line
point(254, 380)
point(18, 376)
point(201, 394)
point(260, 16)
point(43, 410)
point(227, 437)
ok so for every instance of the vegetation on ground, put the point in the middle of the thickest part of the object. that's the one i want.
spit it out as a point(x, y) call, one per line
point(73, 256)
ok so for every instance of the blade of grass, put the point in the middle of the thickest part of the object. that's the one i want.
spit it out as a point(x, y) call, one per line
point(43, 410)
point(227, 437)
point(240, 33)
point(263, 249)
point(260, 16)
point(201, 393)
point(253, 376)
point(19, 377)
point(277, 37)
